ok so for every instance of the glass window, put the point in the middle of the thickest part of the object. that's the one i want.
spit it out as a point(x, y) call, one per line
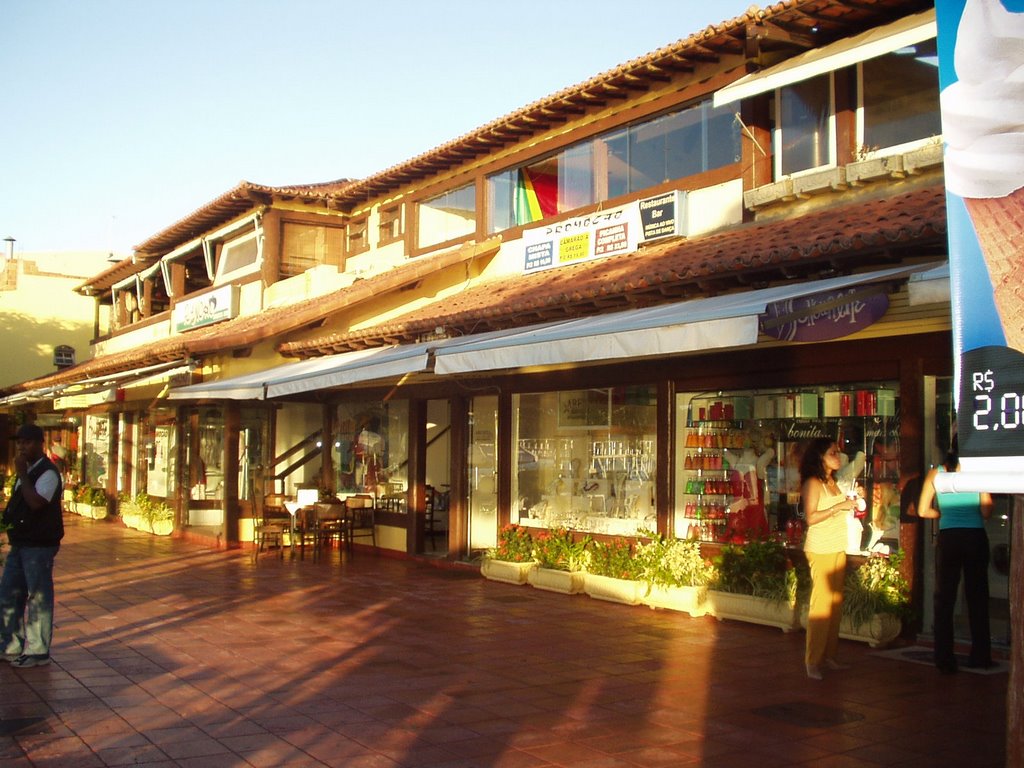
point(738, 475)
point(371, 448)
point(156, 465)
point(621, 162)
point(585, 459)
point(390, 225)
point(304, 246)
point(483, 478)
point(900, 97)
point(357, 236)
point(448, 216)
point(253, 433)
point(239, 257)
point(95, 457)
point(803, 135)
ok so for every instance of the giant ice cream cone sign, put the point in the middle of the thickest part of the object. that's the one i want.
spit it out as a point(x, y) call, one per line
point(981, 50)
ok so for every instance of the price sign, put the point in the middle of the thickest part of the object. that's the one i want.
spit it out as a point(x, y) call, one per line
point(991, 419)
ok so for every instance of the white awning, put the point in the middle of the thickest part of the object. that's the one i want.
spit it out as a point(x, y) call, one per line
point(688, 326)
point(842, 53)
point(713, 323)
point(136, 376)
point(255, 386)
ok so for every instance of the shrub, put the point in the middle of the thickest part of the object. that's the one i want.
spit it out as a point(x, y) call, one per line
point(94, 497)
point(557, 549)
point(758, 568)
point(615, 558)
point(673, 562)
point(877, 586)
point(515, 545)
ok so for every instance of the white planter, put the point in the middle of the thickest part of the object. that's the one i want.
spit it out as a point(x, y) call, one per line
point(755, 610)
point(625, 591)
point(96, 512)
point(163, 527)
point(691, 600)
point(505, 571)
point(566, 582)
point(877, 632)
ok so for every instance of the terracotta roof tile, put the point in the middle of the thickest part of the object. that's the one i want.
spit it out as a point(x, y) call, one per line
point(843, 238)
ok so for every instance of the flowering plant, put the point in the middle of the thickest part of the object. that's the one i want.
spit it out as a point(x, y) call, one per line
point(877, 586)
point(515, 545)
point(87, 494)
point(673, 562)
point(557, 549)
point(758, 568)
point(615, 558)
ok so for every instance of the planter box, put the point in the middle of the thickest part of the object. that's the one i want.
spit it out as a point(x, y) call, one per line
point(691, 600)
point(625, 591)
point(505, 571)
point(96, 512)
point(881, 630)
point(566, 582)
point(756, 610)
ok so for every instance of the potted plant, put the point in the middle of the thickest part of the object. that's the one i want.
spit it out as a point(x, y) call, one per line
point(511, 560)
point(614, 573)
point(755, 582)
point(676, 573)
point(146, 513)
point(91, 502)
point(876, 599)
point(561, 560)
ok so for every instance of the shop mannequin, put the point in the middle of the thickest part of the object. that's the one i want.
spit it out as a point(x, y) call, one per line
point(747, 517)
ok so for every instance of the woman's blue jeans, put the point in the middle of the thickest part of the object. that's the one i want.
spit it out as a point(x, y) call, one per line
point(26, 601)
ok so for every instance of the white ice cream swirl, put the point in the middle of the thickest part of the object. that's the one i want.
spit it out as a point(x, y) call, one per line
point(983, 112)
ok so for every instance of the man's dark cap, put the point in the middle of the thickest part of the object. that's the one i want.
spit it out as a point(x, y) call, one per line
point(29, 432)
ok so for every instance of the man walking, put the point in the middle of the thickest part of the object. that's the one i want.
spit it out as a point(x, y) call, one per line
point(36, 527)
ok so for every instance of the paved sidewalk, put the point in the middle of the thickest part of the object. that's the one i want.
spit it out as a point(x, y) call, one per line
point(169, 654)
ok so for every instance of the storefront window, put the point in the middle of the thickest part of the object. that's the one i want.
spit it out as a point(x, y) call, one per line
point(204, 460)
point(738, 469)
point(483, 478)
point(371, 448)
point(155, 464)
point(95, 458)
point(252, 447)
point(586, 459)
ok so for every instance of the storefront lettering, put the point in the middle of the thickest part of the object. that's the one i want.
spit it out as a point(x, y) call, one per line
point(824, 316)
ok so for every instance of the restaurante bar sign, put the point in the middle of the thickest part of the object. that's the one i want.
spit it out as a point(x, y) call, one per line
point(825, 316)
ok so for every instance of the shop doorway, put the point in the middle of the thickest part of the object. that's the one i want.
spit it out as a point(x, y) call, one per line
point(940, 425)
point(437, 496)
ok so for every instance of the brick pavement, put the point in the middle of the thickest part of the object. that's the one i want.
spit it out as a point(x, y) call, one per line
point(170, 654)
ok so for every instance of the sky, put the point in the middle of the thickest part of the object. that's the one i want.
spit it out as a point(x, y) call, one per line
point(121, 117)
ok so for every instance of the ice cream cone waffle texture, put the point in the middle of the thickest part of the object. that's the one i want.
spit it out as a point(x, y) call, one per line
point(999, 224)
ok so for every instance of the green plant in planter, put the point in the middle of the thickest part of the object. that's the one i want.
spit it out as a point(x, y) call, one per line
point(94, 497)
point(758, 568)
point(877, 586)
point(615, 558)
point(515, 545)
point(673, 562)
point(559, 550)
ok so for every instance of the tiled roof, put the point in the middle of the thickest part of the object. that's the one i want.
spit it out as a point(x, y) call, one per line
point(790, 26)
point(250, 329)
point(877, 230)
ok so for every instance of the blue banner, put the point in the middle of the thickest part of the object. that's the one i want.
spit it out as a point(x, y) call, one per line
point(981, 74)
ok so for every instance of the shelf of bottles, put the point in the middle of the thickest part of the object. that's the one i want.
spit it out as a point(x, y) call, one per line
point(708, 487)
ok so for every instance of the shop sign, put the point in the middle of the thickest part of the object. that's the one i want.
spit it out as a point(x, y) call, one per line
point(824, 316)
point(664, 215)
point(213, 307)
point(71, 402)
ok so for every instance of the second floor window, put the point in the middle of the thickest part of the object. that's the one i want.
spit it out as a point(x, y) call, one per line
point(448, 216)
point(805, 126)
point(238, 257)
point(899, 101)
point(305, 246)
point(625, 161)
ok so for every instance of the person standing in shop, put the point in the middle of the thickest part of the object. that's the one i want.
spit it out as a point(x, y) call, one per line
point(825, 510)
point(36, 527)
point(962, 548)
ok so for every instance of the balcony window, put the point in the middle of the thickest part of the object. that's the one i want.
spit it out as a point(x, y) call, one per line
point(239, 257)
point(625, 161)
point(356, 237)
point(899, 98)
point(305, 246)
point(805, 126)
point(390, 225)
point(448, 216)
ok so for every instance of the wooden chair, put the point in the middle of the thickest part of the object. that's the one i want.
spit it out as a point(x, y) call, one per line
point(362, 520)
point(330, 524)
point(269, 526)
